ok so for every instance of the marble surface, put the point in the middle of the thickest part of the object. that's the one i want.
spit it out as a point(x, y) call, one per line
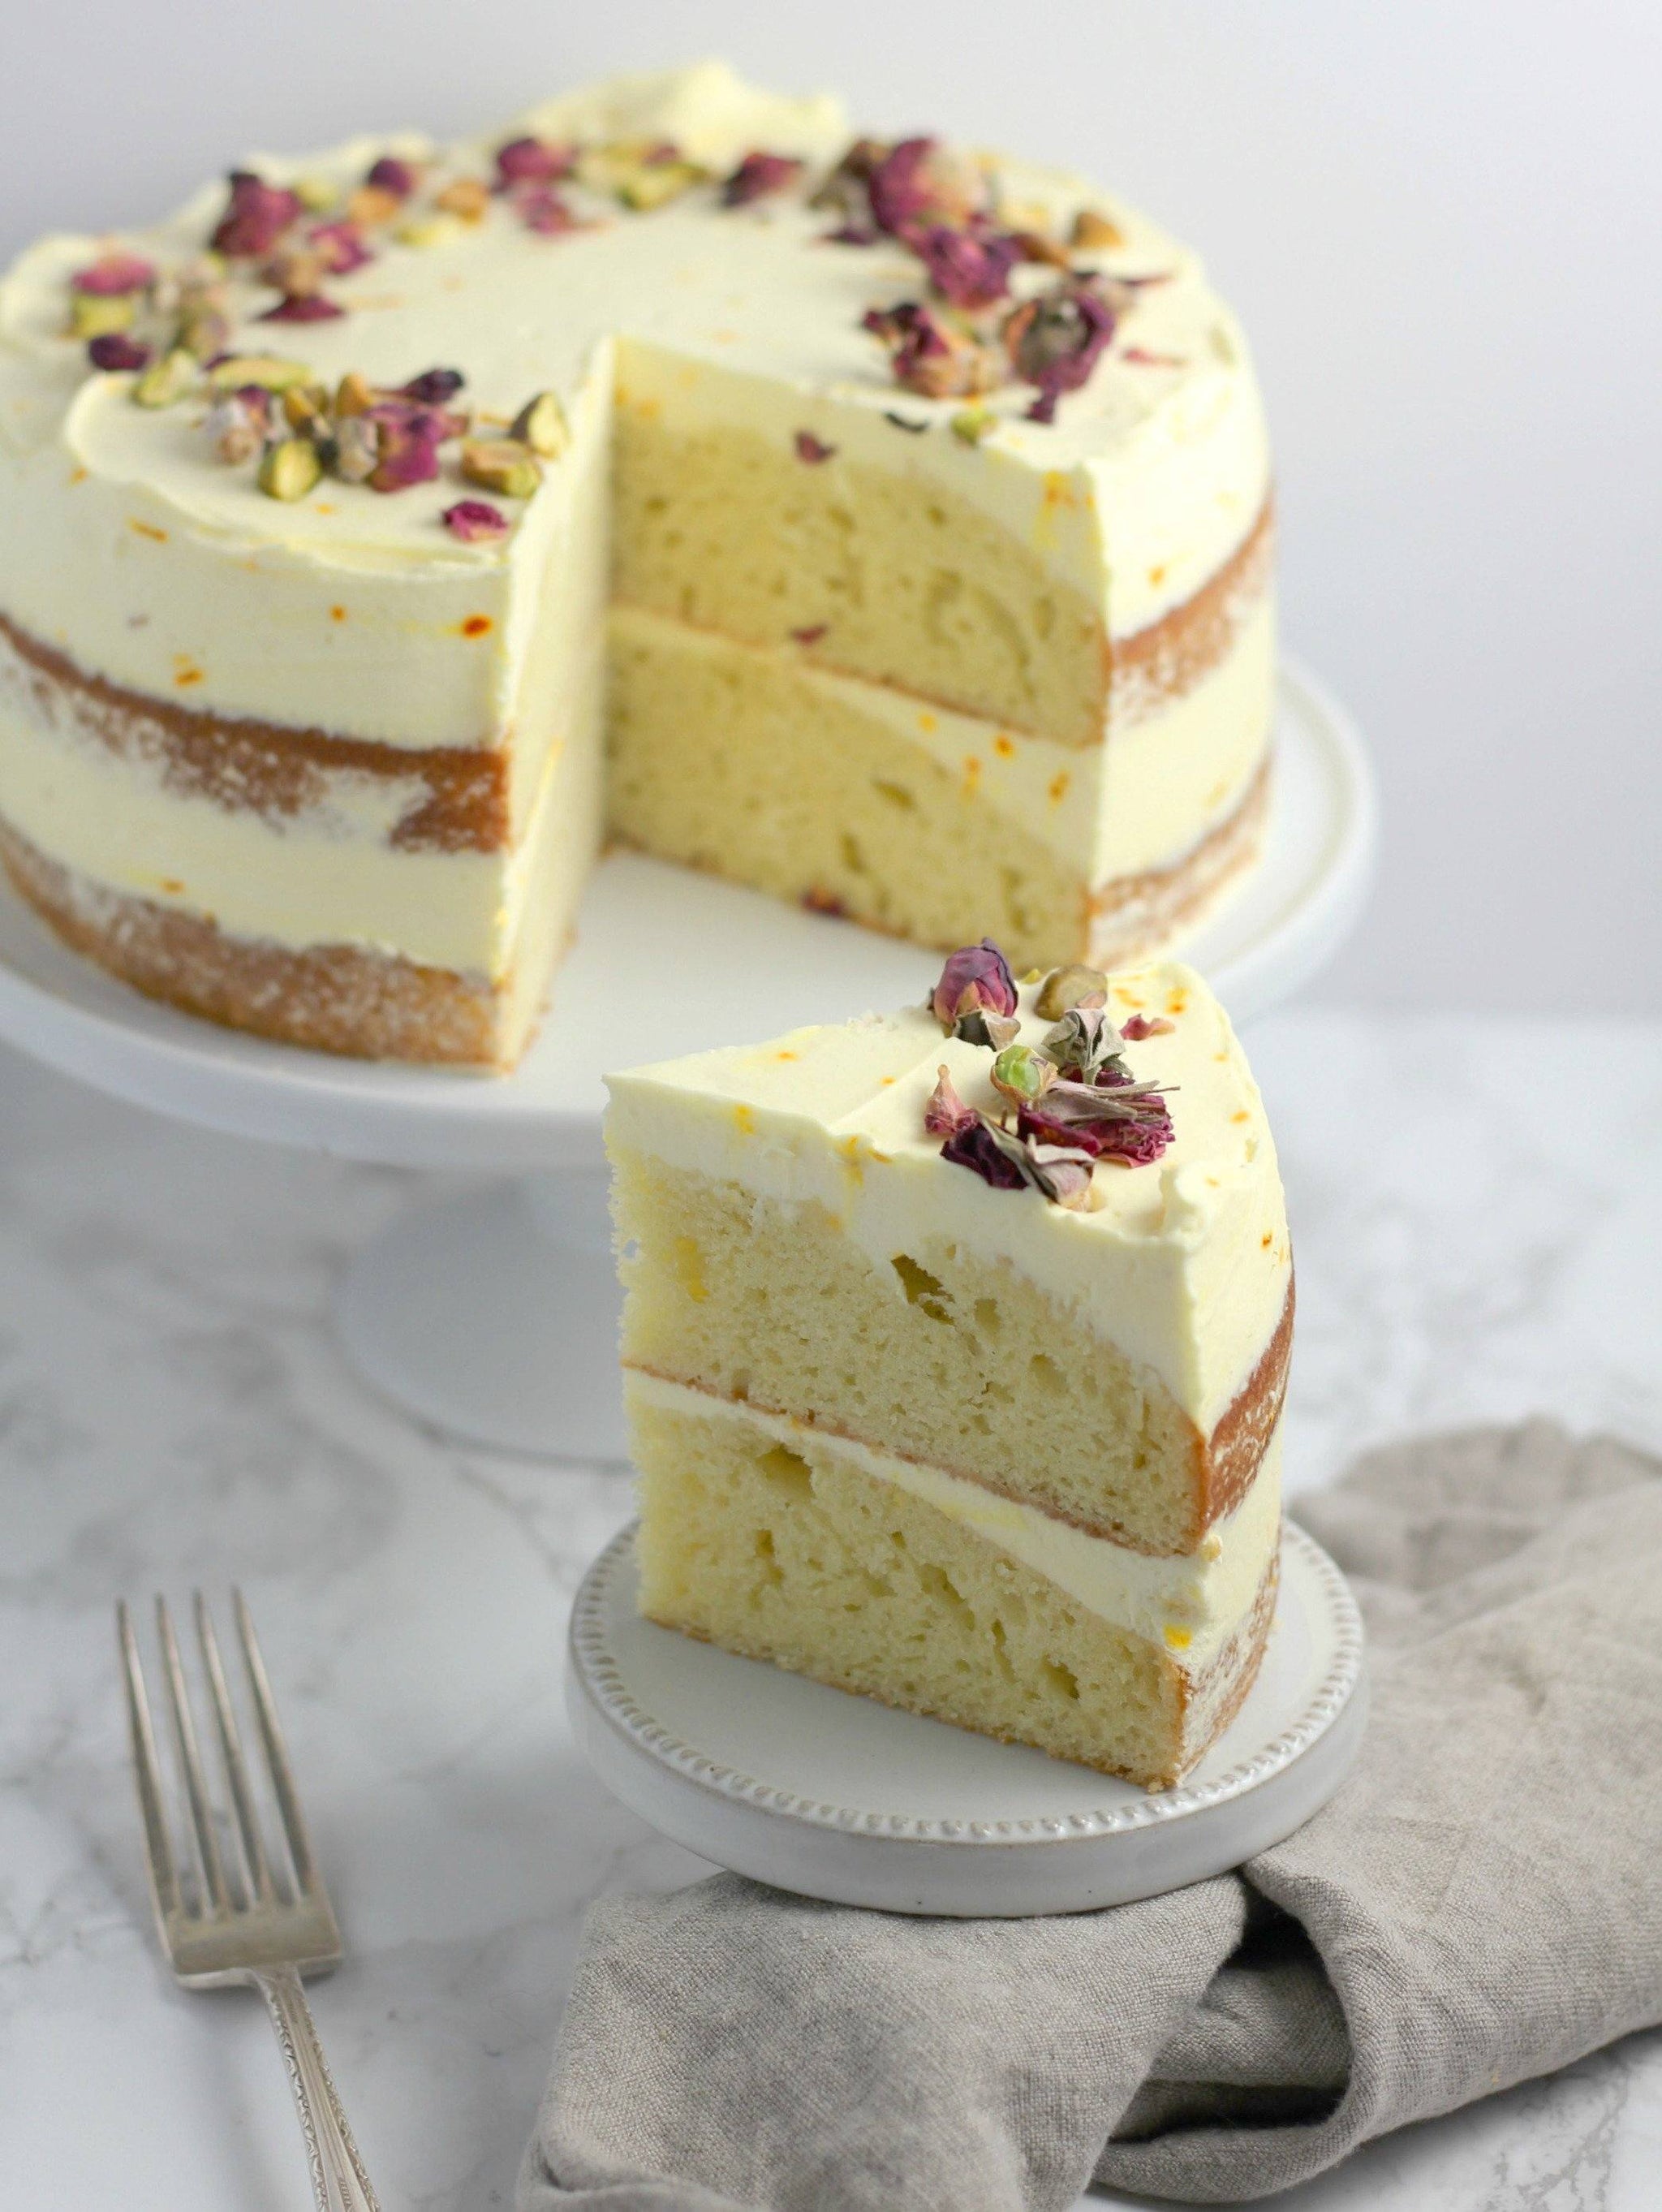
point(174, 1410)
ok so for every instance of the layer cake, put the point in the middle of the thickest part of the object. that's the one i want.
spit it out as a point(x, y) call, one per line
point(956, 1343)
point(883, 526)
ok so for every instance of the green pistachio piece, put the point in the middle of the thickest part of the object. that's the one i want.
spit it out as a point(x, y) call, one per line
point(1068, 987)
point(500, 465)
point(290, 469)
point(1022, 1073)
point(541, 424)
point(96, 315)
point(971, 424)
point(166, 379)
point(269, 371)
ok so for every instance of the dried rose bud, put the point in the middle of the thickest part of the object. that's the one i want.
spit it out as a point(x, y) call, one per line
point(339, 248)
point(930, 356)
point(546, 213)
point(433, 387)
point(408, 442)
point(969, 267)
point(256, 216)
point(114, 351)
point(302, 307)
point(1066, 988)
point(946, 1112)
point(1140, 1026)
point(919, 182)
point(290, 469)
point(167, 379)
point(812, 449)
point(356, 451)
point(541, 424)
point(1021, 1074)
point(1132, 1140)
point(468, 199)
point(475, 519)
point(236, 424)
point(93, 315)
point(501, 464)
point(846, 188)
point(112, 275)
point(975, 981)
point(391, 174)
point(1054, 342)
point(1086, 1043)
point(760, 174)
point(532, 162)
point(988, 1153)
point(1094, 233)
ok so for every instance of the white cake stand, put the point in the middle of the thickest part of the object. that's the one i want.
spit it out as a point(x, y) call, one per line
point(834, 1796)
point(492, 1314)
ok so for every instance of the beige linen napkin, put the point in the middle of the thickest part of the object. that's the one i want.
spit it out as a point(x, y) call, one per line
point(1481, 1902)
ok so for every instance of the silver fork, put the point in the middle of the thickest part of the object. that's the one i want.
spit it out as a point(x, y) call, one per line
point(246, 1913)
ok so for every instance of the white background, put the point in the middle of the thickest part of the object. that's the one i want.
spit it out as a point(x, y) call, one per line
point(1441, 220)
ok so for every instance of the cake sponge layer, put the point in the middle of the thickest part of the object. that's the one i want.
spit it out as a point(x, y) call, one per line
point(936, 1354)
point(894, 576)
point(793, 1552)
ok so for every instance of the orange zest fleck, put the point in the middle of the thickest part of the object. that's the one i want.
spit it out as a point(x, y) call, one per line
point(148, 530)
point(172, 886)
point(477, 626)
point(185, 670)
point(77, 475)
point(1003, 746)
point(337, 614)
point(1058, 788)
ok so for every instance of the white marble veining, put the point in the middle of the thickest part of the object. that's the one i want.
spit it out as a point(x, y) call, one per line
point(1477, 1208)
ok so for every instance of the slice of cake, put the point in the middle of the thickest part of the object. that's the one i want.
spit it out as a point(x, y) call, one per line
point(880, 524)
point(955, 1348)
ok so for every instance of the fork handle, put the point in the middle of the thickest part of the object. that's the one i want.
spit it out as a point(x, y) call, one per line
point(338, 2180)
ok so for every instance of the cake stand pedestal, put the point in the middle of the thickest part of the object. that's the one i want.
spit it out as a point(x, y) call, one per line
point(492, 1313)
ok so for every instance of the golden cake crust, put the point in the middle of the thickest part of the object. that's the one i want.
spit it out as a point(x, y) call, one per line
point(333, 998)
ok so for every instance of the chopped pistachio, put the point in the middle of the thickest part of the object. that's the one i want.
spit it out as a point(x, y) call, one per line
point(642, 173)
point(268, 370)
point(653, 184)
point(354, 395)
point(370, 205)
point(357, 447)
point(1022, 1073)
point(203, 329)
point(425, 230)
point(541, 424)
point(971, 424)
point(1092, 230)
point(95, 314)
point(290, 469)
point(305, 406)
point(1073, 986)
point(315, 194)
point(500, 465)
point(167, 379)
point(467, 198)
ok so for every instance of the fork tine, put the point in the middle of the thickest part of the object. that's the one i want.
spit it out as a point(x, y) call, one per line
point(146, 1772)
point(255, 1865)
point(277, 1752)
point(196, 1785)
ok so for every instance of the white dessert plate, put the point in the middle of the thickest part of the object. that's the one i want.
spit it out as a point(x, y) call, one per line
point(666, 962)
point(834, 1796)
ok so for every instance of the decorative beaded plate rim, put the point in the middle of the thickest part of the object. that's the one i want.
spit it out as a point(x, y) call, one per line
point(609, 1693)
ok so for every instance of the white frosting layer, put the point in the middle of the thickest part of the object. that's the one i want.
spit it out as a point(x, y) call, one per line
point(1184, 1265)
point(129, 547)
point(1190, 1605)
point(1139, 802)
